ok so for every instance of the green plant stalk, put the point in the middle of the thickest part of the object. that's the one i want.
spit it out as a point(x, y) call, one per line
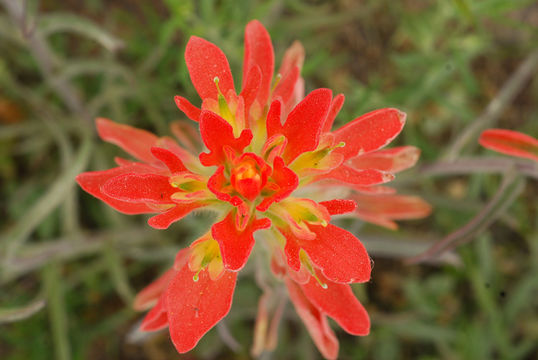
point(480, 165)
point(507, 193)
point(34, 256)
point(20, 313)
point(57, 313)
point(117, 271)
point(487, 303)
point(56, 193)
point(495, 108)
point(70, 204)
point(45, 58)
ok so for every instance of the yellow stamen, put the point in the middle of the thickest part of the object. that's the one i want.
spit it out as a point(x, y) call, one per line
point(278, 77)
point(305, 260)
point(224, 109)
point(322, 284)
point(302, 210)
point(319, 160)
point(196, 276)
point(206, 256)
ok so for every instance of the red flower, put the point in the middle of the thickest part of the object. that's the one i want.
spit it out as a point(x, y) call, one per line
point(268, 156)
point(510, 142)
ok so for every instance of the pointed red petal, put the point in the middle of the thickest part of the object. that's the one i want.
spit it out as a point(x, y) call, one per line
point(278, 264)
point(216, 184)
point(316, 322)
point(126, 162)
point(151, 188)
point(340, 255)
point(286, 180)
point(205, 62)
point(273, 122)
point(293, 58)
point(182, 258)
point(298, 93)
point(251, 87)
point(378, 220)
point(235, 245)
point(510, 143)
point(188, 135)
point(217, 133)
point(369, 132)
point(259, 51)
point(194, 307)
point(302, 276)
point(134, 141)
point(178, 212)
point(291, 249)
point(188, 109)
point(153, 291)
point(170, 144)
point(383, 209)
point(391, 160)
point(156, 318)
point(92, 182)
point(375, 190)
point(149, 295)
point(339, 206)
point(303, 125)
point(366, 177)
point(397, 207)
point(336, 106)
point(338, 302)
point(171, 160)
point(286, 86)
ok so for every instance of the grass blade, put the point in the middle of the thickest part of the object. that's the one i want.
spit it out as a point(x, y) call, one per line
point(57, 313)
point(22, 312)
point(47, 203)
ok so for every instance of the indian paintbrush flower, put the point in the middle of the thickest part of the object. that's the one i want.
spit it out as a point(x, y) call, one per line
point(270, 166)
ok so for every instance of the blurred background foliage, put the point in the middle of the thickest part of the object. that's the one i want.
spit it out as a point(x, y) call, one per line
point(69, 266)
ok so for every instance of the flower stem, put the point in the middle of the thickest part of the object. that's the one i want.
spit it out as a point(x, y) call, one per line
point(57, 313)
point(495, 108)
point(507, 193)
point(473, 165)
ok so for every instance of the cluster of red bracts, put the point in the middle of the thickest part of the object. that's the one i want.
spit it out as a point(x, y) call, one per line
point(271, 161)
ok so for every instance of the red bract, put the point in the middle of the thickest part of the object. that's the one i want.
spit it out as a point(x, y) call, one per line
point(270, 157)
point(383, 209)
point(510, 142)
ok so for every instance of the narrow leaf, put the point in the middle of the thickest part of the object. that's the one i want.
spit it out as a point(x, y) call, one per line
point(8, 315)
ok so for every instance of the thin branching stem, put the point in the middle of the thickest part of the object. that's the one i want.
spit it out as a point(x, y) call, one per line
point(511, 187)
point(42, 54)
point(494, 110)
point(20, 313)
point(481, 165)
